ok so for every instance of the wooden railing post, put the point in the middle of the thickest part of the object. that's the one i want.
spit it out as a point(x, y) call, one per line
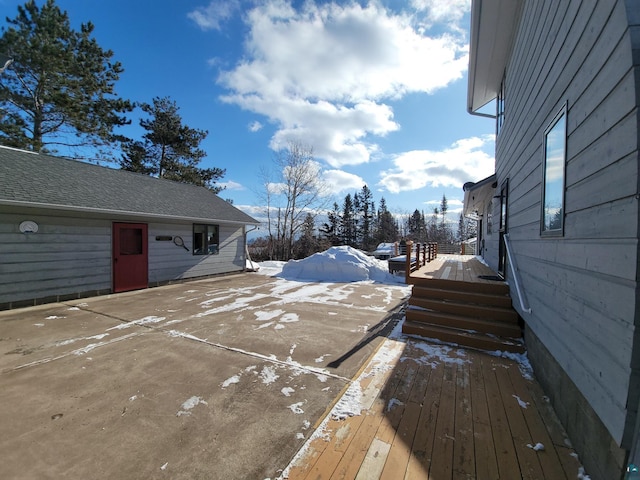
point(407, 266)
point(418, 255)
point(432, 248)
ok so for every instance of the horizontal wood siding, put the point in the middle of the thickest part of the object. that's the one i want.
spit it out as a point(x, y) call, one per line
point(581, 286)
point(66, 256)
point(169, 262)
point(70, 257)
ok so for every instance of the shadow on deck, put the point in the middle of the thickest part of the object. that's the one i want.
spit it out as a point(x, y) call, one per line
point(429, 411)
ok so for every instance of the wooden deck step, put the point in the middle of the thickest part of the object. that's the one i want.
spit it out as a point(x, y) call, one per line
point(462, 322)
point(497, 300)
point(460, 300)
point(491, 287)
point(473, 310)
point(465, 338)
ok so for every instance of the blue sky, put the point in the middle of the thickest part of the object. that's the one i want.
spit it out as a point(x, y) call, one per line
point(378, 90)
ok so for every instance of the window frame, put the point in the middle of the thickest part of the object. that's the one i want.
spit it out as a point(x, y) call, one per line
point(206, 248)
point(544, 231)
point(500, 107)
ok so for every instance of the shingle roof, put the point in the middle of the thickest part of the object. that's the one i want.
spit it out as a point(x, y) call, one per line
point(42, 180)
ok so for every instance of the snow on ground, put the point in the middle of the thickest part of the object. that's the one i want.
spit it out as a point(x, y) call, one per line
point(337, 264)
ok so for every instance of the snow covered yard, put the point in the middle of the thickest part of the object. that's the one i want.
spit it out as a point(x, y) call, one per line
point(218, 378)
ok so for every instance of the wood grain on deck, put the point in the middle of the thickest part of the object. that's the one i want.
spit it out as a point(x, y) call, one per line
point(455, 414)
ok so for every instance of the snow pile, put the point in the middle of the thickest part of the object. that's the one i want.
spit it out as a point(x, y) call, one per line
point(269, 267)
point(339, 264)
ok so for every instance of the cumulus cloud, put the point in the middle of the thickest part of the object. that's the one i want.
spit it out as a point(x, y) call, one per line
point(339, 181)
point(326, 73)
point(215, 14)
point(442, 10)
point(465, 160)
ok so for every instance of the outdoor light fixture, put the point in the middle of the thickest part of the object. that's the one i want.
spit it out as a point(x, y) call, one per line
point(28, 227)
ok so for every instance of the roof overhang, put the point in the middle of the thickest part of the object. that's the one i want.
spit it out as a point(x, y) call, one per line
point(493, 27)
point(120, 213)
point(477, 196)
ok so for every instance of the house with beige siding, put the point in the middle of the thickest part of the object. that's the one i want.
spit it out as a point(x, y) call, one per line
point(70, 229)
point(559, 218)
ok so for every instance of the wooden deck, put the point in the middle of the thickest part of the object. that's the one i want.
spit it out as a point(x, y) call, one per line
point(460, 268)
point(459, 299)
point(433, 412)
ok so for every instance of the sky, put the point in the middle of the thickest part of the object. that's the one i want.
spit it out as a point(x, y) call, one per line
point(378, 90)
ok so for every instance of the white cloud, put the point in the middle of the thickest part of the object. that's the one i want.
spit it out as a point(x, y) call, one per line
point(339, 181)
point(451, 202)
point(231, 185)
point(255, 126)
point(326, 73)
point(213, 15)
point(443, 10)
point(465, 160)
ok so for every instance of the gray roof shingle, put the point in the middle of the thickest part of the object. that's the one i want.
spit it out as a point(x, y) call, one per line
point(44, 180)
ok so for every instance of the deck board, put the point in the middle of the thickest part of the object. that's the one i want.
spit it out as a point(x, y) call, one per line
point(484, 448)
point(442, 413)
point(422, 448)
point(464, 268)
point(463, 451)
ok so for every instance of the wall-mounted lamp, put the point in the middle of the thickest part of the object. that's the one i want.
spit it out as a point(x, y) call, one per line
point(28, 227)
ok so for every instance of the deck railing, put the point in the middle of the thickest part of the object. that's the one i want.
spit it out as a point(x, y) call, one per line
point(425, 252)
point(524, 304)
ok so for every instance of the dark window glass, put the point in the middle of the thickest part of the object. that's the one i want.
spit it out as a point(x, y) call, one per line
point(205, 239)
point(130, 241)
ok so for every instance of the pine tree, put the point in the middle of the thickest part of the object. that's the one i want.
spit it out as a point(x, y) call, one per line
point(58, 92)
point(307, 244)
point(417, 227)
point(366, 210)
point(169, 149)
point(387, 230)
point(347, 227)
point(330, 230)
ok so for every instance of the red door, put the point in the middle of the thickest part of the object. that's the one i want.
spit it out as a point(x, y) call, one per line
point(130, 257)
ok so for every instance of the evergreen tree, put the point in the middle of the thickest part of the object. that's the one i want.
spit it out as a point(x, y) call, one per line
point(417, 229)
point(331, 229)
point(443, 210)
point(307, 244)
point(347, 227)
point(432, 228)
point(366, 210)
point(59, 89)
point(169, 149)
point(387, 230)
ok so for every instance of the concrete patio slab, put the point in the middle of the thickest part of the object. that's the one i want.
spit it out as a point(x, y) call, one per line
point(219, 378)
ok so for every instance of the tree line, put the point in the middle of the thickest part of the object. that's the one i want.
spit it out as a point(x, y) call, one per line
point(57, 91)
point(300, 221)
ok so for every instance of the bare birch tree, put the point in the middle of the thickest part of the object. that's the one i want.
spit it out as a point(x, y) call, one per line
point(298, 192)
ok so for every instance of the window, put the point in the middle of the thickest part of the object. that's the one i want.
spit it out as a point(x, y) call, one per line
point(500, 109)
point(205, 239)
point(130, 241)
point(555, 153)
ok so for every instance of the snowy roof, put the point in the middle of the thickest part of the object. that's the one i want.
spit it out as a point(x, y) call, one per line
point(37, 180)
